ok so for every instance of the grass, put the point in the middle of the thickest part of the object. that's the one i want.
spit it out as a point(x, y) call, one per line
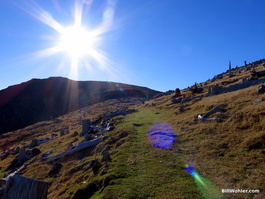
point(229, 154)
point(142, 171)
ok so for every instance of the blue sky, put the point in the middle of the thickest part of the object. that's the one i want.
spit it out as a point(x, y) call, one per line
point(160, 44)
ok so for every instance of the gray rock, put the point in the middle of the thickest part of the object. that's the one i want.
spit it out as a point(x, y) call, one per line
point(105, 157)
point(16, 151)
point(34, 142)
point(22, 157)
point(261, 89)
point(55, 169)
point(256, 101)
point(32, 152)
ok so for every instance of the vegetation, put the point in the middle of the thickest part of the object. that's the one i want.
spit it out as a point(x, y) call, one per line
point(228, 154)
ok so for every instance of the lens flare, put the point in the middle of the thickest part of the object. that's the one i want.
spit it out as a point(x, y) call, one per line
point(161, 135)
point(207, 189)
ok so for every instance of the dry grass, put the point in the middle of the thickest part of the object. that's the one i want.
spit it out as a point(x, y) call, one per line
point(230, 154)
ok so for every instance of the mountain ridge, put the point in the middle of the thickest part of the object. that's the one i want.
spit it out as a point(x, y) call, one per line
point(42, 99)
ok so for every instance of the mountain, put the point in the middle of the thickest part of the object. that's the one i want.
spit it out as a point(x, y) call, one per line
point(42, 99)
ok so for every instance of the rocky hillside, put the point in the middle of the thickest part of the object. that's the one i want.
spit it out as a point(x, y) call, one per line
point(205, 139)
point(44, 99)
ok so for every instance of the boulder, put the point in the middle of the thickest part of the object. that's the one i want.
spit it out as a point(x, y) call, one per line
point(32, 152)
point(22, 157)
point(25, 188)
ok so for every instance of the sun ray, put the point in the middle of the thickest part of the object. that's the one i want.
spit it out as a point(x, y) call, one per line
point(80, 44)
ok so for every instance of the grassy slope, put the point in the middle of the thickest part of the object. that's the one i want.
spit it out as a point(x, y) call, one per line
point(230, 154)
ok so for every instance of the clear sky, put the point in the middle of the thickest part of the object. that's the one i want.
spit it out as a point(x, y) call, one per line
point(160, 44)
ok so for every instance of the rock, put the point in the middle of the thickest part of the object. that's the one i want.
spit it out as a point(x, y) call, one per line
point(256, 101)
point(22, 157)
point(244, 80)
point(45, 154)
point(261, 89)
point(192, 123)
point(74, 134)
point(62, 132)
point(55, 169)
point(105, 157)
point(53, 135)
point(89, 137)
point(16, 151)
point(214, 90)
point(182, 128)
point(34, 142)
point(25, 188)
point(32, 152)
point(85, 126)
point(176, 100)
point(95, 165)
point(181, 109)
point(4, 155)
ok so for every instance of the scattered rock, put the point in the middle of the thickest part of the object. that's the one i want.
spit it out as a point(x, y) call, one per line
point(176, 100)
point(89, 137)
point(105, 157)
point(62, 132)
point(55, 169)
point(256, 101)
point(22, 157)
point(182, 128)
point(74, 134)
point(214, 90)
point(16, 151)
point(45, 155)
point(4, 155)
point(32, 152)
point(95, 165)
point(261, 89)
point(181, 109)
point(34, 142)
point(53, 135)
point(192, 123)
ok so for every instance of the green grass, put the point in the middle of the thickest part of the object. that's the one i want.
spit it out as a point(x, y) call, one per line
point(142, 171)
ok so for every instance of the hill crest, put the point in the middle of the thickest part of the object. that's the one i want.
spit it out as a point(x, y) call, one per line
point(42, 99)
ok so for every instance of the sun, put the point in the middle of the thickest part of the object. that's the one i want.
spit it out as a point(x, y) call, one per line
point(77, 42)
point(81, 42)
